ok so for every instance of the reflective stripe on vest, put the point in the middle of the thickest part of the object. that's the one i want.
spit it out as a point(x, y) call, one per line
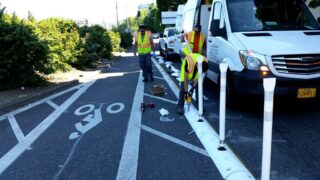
point(191, 36)
point(144, 45)
point(191, 60)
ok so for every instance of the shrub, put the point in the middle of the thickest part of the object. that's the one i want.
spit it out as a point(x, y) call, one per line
point(97, 43)
point(115, 40)
point(23, 56)
point(126, 39)
point(63, 40)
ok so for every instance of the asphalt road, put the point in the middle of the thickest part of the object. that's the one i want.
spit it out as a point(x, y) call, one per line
point(97, 131)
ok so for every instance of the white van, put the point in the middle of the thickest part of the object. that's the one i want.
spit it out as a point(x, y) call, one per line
point(179, 29)
point(264, 38)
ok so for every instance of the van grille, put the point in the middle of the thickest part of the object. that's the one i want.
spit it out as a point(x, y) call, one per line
point(297, 64)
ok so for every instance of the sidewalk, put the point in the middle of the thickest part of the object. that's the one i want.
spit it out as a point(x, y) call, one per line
point(15, 98)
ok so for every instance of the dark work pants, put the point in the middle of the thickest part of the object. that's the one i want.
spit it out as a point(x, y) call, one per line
point(181, 95)
point(146, 65)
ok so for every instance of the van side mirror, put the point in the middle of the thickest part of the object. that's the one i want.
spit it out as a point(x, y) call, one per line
point(218, 28)
point(318, 20)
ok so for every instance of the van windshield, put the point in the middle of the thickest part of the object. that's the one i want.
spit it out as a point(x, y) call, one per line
point(171, 32)
point(270, 15)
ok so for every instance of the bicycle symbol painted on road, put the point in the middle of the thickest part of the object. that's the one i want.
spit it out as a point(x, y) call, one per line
point(93, 117)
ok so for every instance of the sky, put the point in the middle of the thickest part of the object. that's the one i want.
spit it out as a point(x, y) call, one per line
point(96, 11)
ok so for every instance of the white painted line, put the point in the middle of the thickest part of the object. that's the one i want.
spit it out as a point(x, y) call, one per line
point(18, 149)
point(5, 116)
point(52, 104)
point(160, 98)
point(129, 159)
point(157, 77)
point(16, 129)
point(175, 140)
point(229, 166)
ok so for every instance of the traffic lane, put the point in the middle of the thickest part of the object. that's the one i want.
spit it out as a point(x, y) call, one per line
point(173, 124)
point(50, 152)
point(168, 94)
point(163, 153)
point(62, 98)
point(29, 119)
point(162, 159)
point(7, 137)
point(294, 151)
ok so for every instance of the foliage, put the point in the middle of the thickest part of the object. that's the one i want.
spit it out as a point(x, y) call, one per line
point(63, 40)
point(151, 20)
point(115, 40)
point(125, 35)
point(23, 56)
point(31, 49)
point(97, 43)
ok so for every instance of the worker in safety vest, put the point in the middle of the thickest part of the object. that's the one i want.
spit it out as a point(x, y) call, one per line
point(144, 44)
point(189, 73)
point(196, 40)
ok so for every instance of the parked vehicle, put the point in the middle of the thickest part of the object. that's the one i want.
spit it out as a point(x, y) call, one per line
point(260, 39)
point(155, 35)
point(167, 43)
point(179, 30)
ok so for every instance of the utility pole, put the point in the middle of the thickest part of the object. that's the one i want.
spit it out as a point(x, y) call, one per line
point(117, 14)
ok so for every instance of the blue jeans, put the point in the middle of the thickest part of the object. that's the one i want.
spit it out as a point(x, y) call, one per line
point(146, 65)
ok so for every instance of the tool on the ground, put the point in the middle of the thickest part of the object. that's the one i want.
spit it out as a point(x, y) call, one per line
point(146, 105)
point(157, 90)
point(188, 98)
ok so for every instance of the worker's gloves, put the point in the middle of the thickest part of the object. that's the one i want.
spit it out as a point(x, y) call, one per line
point(185, 94)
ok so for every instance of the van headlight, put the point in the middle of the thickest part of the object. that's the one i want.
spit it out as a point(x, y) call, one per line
point(252, 60)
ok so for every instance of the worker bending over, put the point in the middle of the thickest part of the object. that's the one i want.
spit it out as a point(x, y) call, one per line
point(189, 73)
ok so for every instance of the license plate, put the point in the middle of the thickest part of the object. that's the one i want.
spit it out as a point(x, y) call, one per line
point(307, 92)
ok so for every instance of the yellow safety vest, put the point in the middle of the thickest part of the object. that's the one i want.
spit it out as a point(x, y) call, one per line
point(144, 45)
point(191, 60)
point(191, 43)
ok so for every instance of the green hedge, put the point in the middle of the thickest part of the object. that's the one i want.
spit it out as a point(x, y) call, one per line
point(63, 40)
point(23, 55)
point(31, 49)
point(115, 40)
point(96, 42)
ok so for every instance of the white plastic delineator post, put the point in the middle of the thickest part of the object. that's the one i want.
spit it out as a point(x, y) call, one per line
point(200, 87)
point(222, 113)
point(268, 85)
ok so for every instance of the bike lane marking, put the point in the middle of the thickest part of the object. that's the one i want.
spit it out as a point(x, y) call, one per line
point(18, 149)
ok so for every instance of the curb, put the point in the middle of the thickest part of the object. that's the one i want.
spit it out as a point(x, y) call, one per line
point(4, 108)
